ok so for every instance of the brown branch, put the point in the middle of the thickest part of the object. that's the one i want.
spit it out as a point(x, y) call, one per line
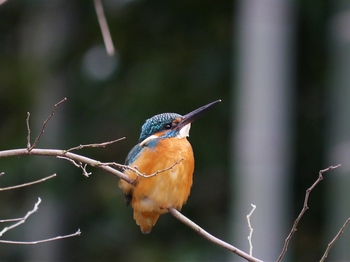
point(210, 237)
point(44, 125)
point(104, 28)
point(304, 209)
point(330, 245)
point(40, 241)
point(65, 155)
point(28, 184)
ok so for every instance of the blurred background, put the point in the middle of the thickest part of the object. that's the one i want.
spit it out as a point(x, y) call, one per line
point(282, 71)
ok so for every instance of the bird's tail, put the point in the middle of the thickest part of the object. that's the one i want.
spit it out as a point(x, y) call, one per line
point(146, 220)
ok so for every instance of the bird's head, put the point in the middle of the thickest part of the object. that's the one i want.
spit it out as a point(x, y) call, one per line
point(171, 124)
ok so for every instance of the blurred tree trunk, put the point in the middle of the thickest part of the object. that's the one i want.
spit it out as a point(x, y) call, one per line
point(43, 31)
point(261, 149)
point(338, 194)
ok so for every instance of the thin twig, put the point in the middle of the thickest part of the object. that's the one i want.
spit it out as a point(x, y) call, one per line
point(210, 237)
point(40, 241)
point(250, 230)
point(10, 220)
point(330, 245)
point(36, 206)
point(104, 144)
point(104, 28)
point(28, 130)
point(137, 172)
point(304, 209)
point(44, 125)
point(80, 165)
point(28, 184)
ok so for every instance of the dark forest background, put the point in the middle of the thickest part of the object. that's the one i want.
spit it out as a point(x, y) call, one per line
point(171, 56)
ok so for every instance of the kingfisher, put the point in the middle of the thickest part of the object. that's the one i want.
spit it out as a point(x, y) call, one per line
point(161, 167)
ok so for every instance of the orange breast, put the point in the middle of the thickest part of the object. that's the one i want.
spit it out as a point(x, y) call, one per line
point(171, 188)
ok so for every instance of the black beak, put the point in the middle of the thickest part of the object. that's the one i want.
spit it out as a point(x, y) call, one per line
point(190, 117)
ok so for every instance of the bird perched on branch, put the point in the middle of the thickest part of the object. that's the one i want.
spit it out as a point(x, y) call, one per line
point(161, 166)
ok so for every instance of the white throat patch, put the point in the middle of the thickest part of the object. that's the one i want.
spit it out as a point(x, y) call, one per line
point(185, 131)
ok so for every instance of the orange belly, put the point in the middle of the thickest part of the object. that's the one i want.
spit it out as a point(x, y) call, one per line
point(153, 195)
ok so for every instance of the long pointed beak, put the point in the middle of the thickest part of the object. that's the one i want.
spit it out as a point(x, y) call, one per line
point(190, 117)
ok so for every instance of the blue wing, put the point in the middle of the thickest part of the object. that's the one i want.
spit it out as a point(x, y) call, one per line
point(133, 154)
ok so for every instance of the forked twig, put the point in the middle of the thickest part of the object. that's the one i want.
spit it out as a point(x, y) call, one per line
point(304, 209)
point(23, 220)
point(104, 27)
point(80, 165)
point(250, 230)
point(28, 184)
point(43, 127)
point(330, 245)
point(29, 213)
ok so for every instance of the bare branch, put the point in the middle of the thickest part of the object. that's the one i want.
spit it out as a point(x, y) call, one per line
point(40, 241)
point(2, 1)
point(210, 237)
point(44, 125)
point(250, 230)
point(104, 144)
point(330, 245)
point(104, 28)
point(65, 155)
point(28, 184)
point(36, 206)
point(305, 207)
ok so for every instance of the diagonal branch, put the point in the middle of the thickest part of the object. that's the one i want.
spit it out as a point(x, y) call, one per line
point(304, 209)
point(104, 27)
point(330, 245)
point(210, 237)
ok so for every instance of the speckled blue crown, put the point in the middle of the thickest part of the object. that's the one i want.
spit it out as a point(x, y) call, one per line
point(156, 124)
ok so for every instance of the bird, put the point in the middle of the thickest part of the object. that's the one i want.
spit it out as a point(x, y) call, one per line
point(161, 167)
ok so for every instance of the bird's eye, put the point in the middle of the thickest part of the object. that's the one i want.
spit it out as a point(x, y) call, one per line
point(167, 126)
